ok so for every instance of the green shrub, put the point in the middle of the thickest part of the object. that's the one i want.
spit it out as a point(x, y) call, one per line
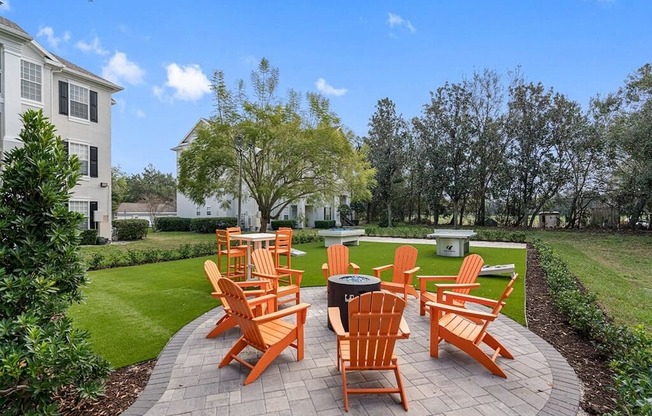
point(129, 230)
point(172, 224)
point(276, 224)
point(41, 275)
point(209, 225)
point(323, 224)
point(630, 350)
point(88, 237)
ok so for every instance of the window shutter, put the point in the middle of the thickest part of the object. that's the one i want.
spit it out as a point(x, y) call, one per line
point(91, 223)
point(94, 106)
point(65, 148)
point(63, 98)
point(93, 164)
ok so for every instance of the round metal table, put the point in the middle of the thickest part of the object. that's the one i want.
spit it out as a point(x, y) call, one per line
point(344, 287)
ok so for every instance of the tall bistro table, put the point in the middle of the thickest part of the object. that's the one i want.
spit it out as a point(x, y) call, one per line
point(256, 240)
point(344, 287)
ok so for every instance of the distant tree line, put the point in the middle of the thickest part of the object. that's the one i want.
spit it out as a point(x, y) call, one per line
point(487, 148)
point(151, 187)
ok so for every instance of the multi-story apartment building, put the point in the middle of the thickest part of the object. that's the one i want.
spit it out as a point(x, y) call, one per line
point(75, 100)
point(303, 213)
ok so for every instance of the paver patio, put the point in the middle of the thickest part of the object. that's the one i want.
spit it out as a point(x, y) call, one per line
point(186, 380)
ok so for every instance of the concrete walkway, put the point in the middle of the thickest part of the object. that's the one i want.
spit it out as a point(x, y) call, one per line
point(186, 380)
point(472, 243)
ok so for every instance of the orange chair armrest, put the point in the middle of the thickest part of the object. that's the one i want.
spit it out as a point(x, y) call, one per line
point(261, 299)
point(216, 295)
point(410, 272)
point(434, 306)
point(433, 278)
point(404, 328)
point(449, 286)
point(254, 292)
point(298, 275)
point(292, 310)
point(380, 269)
point(324, 270)
point(336, 321)
point(471, 299)
point(355, 267)
point(251, 283)
point(265, 275)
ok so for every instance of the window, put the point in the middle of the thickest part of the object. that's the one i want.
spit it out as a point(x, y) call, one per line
point(198, 211)
point(83, 153)
point(87, 156)
point(208, 211)
point(77, 101)
point(82, 207)
point(30, 81)
point(328, 213)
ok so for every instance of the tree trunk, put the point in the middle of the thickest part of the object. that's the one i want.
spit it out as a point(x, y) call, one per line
point(389, 215)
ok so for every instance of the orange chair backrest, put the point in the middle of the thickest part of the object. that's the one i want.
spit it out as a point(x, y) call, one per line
point(405, 258)
point(469, 271)
point(499, 305)
point(374, 319)
point(283, 240)
point(338, 259)
point(241, 311)
point(263, 261)
point(213, 275)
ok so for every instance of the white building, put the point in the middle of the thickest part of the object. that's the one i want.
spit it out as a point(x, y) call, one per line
point(142, 211)
point(76, 101)
point(304, 214)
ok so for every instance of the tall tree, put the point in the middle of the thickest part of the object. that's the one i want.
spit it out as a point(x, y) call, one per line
point(387, 135)
point(448, 112)
point(631, 137)
point(153, 188)
point(119, 187)
point(285, 150)
point(41, 275)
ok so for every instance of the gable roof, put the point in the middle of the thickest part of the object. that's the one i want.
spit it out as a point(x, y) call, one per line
point(12, 28)
point(190, 136)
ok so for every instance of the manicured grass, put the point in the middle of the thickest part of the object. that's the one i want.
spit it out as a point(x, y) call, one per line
point(617, 268)
point(132, 312)
point(166, 240)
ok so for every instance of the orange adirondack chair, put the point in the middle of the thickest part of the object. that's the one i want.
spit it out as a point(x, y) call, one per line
point(267, 333)
point(282, 247)
point(284, 282)
point(464, 282)
point(227, 322)
point(338, 261)
point(467, 329)
point(375, 323)
point(235, 255)
point(403, 269)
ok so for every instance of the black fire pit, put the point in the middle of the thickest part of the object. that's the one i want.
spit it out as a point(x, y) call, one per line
point(344, 287)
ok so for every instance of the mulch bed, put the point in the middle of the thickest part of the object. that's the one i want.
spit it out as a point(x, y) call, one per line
point(126, 384)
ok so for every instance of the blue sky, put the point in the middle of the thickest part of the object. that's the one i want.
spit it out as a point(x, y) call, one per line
point(355, 52)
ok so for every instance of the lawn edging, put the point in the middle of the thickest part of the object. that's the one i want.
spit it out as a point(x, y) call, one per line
point(629, 349)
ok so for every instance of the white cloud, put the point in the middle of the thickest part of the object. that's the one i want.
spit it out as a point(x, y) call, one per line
point(52, 40)
point(396, 20)
point(140, 113)
point(5, 5)
point(119, 68)
point(94, 46)
point(188, 82)
point(326, 89)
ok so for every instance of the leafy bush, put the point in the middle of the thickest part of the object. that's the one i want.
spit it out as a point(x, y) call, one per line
point(209, 225)
point(172, 224)
point(276, 224)
point(88, 237)
point(629, 349)
point(323, 224)
point(129, 230)
point(41, 275)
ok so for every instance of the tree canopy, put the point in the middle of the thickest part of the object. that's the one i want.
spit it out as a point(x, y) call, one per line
point(287, 151)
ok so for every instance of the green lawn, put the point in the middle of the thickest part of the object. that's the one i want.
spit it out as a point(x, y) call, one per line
point(615, 267)
point(131, 312)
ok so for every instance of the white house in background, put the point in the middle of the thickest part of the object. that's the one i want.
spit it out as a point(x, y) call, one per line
point(140, 211)
point(304, 214)
point(75, 100)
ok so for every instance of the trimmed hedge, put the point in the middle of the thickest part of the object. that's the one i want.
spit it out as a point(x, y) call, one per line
point(172, 224)
point(103, 260)
point(88, 237)
point(209, 225)
point(630, 349)
point(129, 230)
point(276, 224)
point(325, 224)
